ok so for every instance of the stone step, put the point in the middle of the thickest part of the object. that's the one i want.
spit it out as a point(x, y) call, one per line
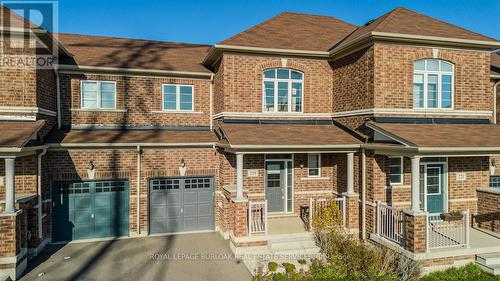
point(292, 245)
point(488, 259)
point(491, 269)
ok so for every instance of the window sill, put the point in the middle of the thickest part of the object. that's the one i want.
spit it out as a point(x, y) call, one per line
point(176, 112)
point(98, 110)
point(398, 186)
point(314, 178)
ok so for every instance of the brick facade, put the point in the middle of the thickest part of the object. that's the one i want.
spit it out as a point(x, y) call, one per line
point(488, 214)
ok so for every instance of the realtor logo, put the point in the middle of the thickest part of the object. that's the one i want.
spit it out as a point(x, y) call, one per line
point(28, 30)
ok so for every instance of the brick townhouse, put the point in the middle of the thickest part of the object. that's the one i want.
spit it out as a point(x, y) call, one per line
point(393, 120)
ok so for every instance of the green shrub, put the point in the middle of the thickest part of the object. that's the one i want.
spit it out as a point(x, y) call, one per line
point(470, 272)
point(302, 261)
point(272, 266)
point(289, 267)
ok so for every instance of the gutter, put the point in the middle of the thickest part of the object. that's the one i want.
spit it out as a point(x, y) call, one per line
point(74, 145)
point(211, 101)
point(495, 86)
point(58, 98)
point(363, 194)
point(39, 193)
point(139, 153)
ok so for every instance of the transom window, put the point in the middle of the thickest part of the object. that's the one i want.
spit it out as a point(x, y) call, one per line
point(177, 97)
point(283, 90)
point(98, 94)
point(314, 165)
point(432, 84)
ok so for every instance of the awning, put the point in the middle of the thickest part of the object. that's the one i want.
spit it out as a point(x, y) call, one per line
point(438, 138)
point(16, 135)
point(287, 137)
point(105, 137)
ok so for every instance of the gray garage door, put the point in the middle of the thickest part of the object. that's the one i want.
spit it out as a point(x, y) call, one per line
point(181, 204)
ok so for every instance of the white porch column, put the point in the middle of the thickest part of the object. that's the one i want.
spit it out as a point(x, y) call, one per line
point(10, 196)
point(350, 173)
point(415, 184)
point(239, 177)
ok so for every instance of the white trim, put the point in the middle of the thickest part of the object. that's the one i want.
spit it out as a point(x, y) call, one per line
point(177, 98)
point(415, 111)
point(23, 109)
point(314, 178)
point(314, 192)
point(17, 118)
point(289, 82)
point(76, 145)
point(177, 112)
point(98, 95)
point(272, 114)
point(461, 200)
point(81, 68)
point(439, 73)
point(98, 110)
point(9, 260)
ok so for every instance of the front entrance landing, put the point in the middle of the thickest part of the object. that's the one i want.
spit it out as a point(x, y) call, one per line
point(285, 225)
point(201, 256)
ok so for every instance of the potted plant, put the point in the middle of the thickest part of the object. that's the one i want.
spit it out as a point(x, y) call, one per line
point(452, 216)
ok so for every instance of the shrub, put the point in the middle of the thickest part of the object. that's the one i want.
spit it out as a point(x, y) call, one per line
point(302, 261)
point(470, 272)
point(328, 216)
point(272, 266)
point(289, 267)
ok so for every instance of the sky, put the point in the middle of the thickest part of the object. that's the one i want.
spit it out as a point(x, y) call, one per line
point(211, 21)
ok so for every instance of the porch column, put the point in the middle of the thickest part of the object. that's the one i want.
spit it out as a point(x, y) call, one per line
point(415, 184)
point(350, 173)
point(239, 177)
point(10, 197)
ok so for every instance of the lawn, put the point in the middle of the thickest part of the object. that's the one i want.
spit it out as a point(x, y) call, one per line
point(470, 272)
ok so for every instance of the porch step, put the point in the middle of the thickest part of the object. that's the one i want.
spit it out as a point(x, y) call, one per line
point(291, 244)
point(489, 263)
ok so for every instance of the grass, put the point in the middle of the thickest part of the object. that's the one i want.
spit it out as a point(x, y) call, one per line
point(470, 272)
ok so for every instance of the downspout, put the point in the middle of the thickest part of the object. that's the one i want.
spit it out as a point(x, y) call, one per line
point(363, 194)
point(58, 99)
point(495, 86)
point(139, 152)
point(211, 101)
point(39, 191)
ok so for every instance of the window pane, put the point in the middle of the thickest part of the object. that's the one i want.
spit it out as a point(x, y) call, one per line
point(419, 65)
point(395, 170)
point(432, 94)
point(107, 95)
point(270, 73)
point(313, 164)
point(446, 91)
point(89, 94)
point(283, 73)
point(282, 96)
point(186, 97)
point(170, 97)
point(433, 65)
point(296, 75)
point(296, 97)
point(446, 66)
point(269, 96)
point(418, 91)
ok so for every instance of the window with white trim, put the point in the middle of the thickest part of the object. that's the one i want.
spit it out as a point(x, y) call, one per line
point(396, 170)
point(432, 84)
point(283, 90)
point(98, 94)
point(178, 97)
point(314, 164)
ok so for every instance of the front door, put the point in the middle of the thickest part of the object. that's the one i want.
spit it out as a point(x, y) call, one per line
point(432, 187)
point(275, 186)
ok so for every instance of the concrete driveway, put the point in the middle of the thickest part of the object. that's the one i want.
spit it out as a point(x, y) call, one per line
point(203, 256)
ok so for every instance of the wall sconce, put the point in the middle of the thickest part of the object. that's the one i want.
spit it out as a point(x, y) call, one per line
point(91, 170)
point(493, 167)
point(301, 164)
point(182, 168)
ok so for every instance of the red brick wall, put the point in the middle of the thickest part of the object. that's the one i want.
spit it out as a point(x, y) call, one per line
point(138, 96)
point(238, 83)
point(488, 215)
point(26, 175)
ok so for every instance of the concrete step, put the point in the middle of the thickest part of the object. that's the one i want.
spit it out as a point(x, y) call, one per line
point(488, 259)
point(291, 243)
point(492, 269)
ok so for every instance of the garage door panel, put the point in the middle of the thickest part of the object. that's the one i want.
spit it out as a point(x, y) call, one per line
point(158, 211)
point(194, 196)
point(83, 231)
point(102, 201)
point(158, 198)
point(81, 202)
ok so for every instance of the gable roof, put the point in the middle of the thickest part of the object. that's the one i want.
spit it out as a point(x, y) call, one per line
point(113, 52)
point(18, 134)
point(405, 21)
point(14, 20)
point(294, 31)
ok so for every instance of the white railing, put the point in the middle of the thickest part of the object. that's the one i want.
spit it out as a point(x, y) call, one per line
point(257, 217)
point(447, 233)
point(390, 223)
point(316, 207)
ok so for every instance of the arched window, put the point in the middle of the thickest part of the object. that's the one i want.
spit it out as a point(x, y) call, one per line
point(432, 84)
point(283, 90)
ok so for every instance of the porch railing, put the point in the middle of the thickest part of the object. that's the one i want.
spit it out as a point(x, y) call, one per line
point(257, 217)
point(391, 223)
point(318, 205)
point(447, 233)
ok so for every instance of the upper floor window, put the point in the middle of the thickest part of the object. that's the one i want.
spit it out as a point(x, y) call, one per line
point(432, 84)
point(283, 90)
point(177, 97)
point(98, 94)
point(314, 164)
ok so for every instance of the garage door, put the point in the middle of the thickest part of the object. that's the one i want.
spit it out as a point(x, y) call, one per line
point(93, 209)
point(181, 205)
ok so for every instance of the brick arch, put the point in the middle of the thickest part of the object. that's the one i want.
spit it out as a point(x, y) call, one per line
point(277, 63)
